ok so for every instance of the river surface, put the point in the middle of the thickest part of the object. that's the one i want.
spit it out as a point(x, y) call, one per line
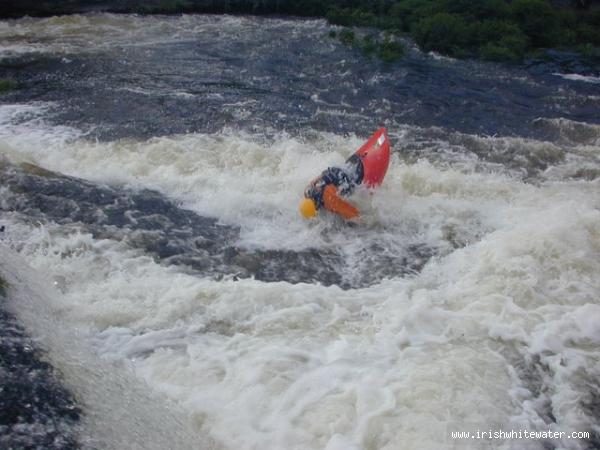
point(150, 173)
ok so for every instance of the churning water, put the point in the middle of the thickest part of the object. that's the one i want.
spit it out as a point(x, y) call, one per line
point(150, 173)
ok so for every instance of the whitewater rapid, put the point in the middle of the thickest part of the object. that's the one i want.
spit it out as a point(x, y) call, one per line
point(496, 328)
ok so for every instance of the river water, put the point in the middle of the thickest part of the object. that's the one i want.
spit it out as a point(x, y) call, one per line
point(150, 173)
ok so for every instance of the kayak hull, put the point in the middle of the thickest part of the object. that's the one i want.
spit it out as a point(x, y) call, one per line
point(375, 156)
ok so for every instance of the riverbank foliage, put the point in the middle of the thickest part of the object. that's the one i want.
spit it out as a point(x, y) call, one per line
point(386, 49)
point(489, 29)
point(6, 85)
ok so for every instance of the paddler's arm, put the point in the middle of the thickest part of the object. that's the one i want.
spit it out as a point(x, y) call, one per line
point(333, 203)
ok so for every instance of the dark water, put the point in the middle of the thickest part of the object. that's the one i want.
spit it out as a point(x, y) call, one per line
point(36, 411)
point(304, 81)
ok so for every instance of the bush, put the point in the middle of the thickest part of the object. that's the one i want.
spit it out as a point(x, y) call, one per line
point(347, 36)
point(567, 18)
point(368, 45)
point(387, 50)
point(589, 51)
point(494, 30)
point(444, 33)
point(478, 9)
point(499, 53)
point(517, 43)
point(538, 20)
point(390, 51)
point(588, 33)
point(390, 23)
point(351, 17)
point(7, 85)
point(410, 12)
point(593, 18)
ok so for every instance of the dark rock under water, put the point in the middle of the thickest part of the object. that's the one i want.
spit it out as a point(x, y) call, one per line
point(36, 410)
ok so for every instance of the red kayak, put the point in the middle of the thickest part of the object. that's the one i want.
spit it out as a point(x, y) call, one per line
point(375, 156)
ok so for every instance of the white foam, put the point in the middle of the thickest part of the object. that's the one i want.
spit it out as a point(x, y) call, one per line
point(578, 77)
point(439, 57)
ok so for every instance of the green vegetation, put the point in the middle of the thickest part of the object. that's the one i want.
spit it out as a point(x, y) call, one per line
point(390, 51)
point(589, 51)
point(496, 30)
point(385, 49)
point(347, 37)
point(7, 85)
